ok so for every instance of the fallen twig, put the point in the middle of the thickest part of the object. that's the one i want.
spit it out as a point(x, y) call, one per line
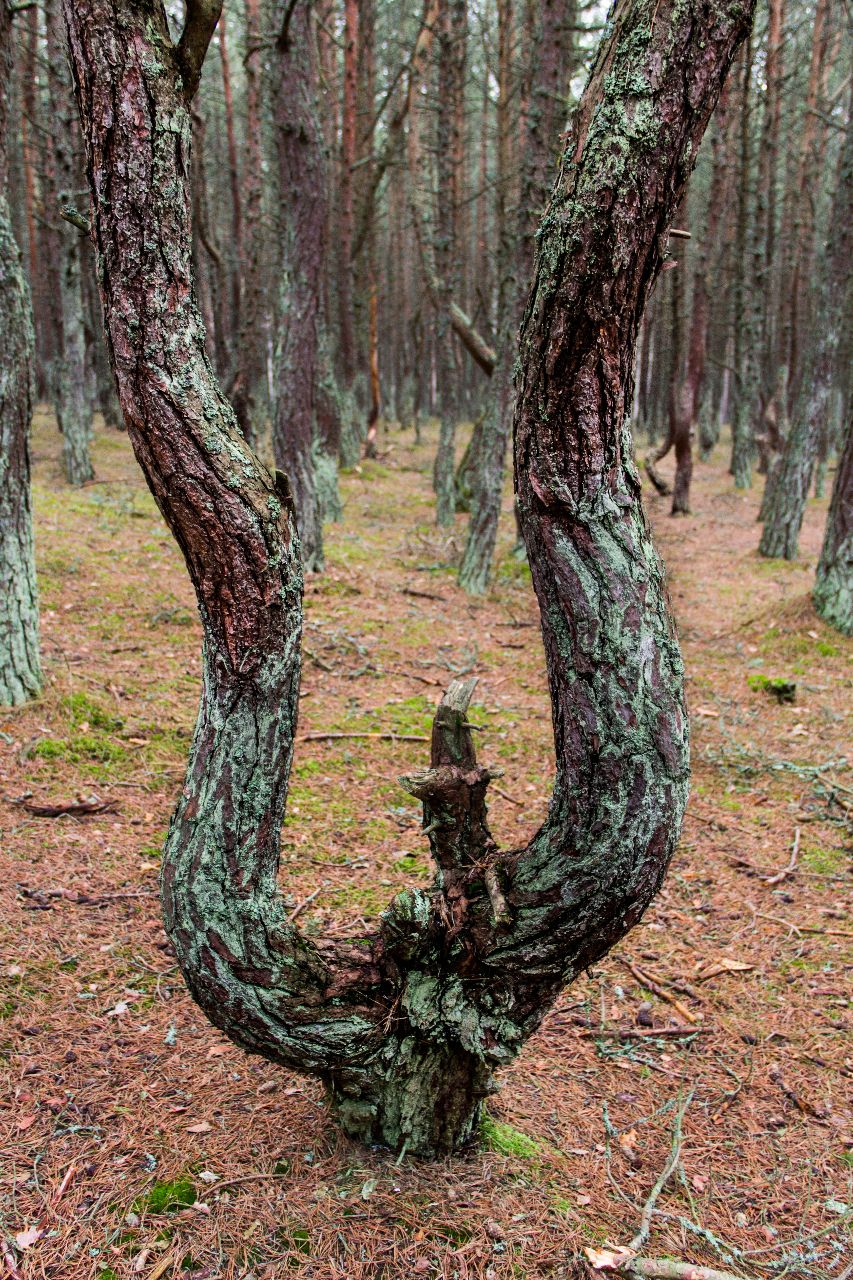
point(423, 595)
point(387, 737)
point(72, 808)
point(66, 1181)
point(506, 796)
point(649, 983)
point(297, 910)
point(666, 1173)
point(792, 863)
point(668, 1269)
point(802, 1104)
point(643, 1033)
point(76, 898)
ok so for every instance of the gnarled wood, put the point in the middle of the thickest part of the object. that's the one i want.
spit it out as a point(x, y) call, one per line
point(407, 1026)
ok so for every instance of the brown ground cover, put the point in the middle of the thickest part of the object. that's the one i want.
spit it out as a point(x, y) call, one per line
point(136, 1141)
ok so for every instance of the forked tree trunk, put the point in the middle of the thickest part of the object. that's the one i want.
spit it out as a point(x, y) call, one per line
point(20, 672)
point(406, 1027)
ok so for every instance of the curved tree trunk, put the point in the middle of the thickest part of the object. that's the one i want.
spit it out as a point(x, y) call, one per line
point(833, 591)
point(406, 1027)
point(20, 671)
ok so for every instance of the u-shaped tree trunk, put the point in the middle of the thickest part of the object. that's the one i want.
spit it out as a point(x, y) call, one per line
point(407, 1026)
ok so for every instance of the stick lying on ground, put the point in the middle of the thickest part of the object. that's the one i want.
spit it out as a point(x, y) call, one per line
point(72, 809)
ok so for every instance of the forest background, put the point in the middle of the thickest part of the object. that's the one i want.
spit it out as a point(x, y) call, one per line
point(437, 136)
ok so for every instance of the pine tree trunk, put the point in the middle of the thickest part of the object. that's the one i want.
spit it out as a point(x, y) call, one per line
point(549, 69)
point(407, 1027)
point(789, 489)
point(70, 393)
point(302, 204)
point(20, 671)
point(833, 590)
point(346, 192)
point(250, 395)
point(742, 441)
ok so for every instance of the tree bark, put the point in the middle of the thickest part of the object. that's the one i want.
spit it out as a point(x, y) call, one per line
point(70, 393)
point(792, 477)
point(742, 441)
point(550, 65)
point(406, 1027)
point(20, 670)
point(249, 394)
point(833, 590)
point(302, 203)
point(346, 193)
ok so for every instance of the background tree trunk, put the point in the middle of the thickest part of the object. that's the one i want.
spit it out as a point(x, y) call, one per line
point(20, 671)
point(407, 1027)
point(550, 66)
point(302, 203)
point(783, 515)
point(70, 393)
point(833, 591)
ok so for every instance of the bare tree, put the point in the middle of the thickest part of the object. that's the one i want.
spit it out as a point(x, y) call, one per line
point(407, 1027)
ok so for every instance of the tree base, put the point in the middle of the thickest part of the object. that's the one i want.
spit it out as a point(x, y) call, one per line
point(427, 1102)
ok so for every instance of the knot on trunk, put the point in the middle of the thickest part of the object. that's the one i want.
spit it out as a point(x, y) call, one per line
point(453, 792)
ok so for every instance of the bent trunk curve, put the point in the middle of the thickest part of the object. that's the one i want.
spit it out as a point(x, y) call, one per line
point(407, 1027)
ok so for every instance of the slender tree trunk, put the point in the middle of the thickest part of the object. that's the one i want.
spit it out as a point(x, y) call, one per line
point(302, 203)
point(234, 184)
point(215, 300)
point(407, 1027)
point(833, 590)
point(765, 213)
point(690, 392)
point(550, 65)
point(490, 440)
point(742, 442)
point(71, 397)
point(20, 671)
point(444, 257)
point(346, 192)
point(249, 393)
point(29, 159)
point(783, 512)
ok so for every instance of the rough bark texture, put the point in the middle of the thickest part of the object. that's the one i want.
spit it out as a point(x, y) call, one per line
point(742, 442)
point(833, 591)
point(70, 394)
point(550, 65)
point(20, 672)
point(792, 477)
point(302, 203)
point(491, 440)
point(407, 1026)
point(346, 191)
point(250, 395)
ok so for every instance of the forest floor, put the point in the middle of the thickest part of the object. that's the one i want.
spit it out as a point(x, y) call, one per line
point(138, 1142)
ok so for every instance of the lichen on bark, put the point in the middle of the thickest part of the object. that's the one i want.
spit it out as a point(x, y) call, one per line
point(407, 1027)
point(20, 669)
